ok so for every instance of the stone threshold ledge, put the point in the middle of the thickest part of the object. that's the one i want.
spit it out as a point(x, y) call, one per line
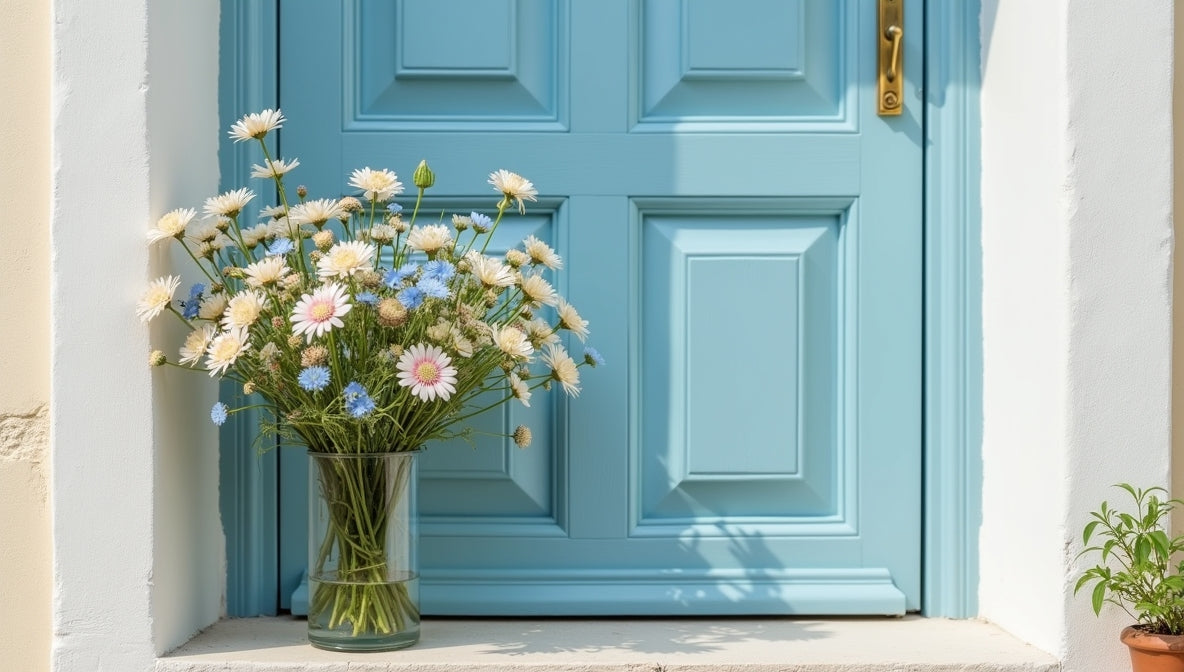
point(759, 644)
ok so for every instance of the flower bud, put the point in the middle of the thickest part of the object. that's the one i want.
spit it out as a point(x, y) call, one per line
point(249, 387)
point(423, 176)
point(156, 358)
point(323, 239)
point(522, 436)
point(302, 191)
point(391, 312)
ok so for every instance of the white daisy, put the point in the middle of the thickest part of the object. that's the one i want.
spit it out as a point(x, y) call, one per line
point(520, 389)
point(491, 272)
point(345, 259)
point(228, 204)
point(541, 253)
point(204, 232)
point(382, 233)
point(539, 291)
point(320, 311)
point(282, 227)
point(316, 212)
point(273, 211)
point(267, 271)
point(256, 125)
point(563, 369)
point(511, 340)
point(513, 187)
point(171, 225)
point(569, 319)
point(276, 168)
point(212, 306)
point(243, 309)
point(157, 298)
point(225, 349)
point(427, 371)
point(428, 239)
point(254, 235)
point(540, 333)
point(376, 185)
point(196, 343)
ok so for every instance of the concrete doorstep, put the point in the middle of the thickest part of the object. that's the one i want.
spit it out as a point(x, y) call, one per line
point(616, 645)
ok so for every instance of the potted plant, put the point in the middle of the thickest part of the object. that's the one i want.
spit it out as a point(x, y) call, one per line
point(366, 335)
point(1136, 573)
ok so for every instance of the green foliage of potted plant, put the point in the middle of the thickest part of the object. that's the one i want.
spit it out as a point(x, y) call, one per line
point(1136, 573)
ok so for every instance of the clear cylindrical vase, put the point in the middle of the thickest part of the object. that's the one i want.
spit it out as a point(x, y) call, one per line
point(363, 566)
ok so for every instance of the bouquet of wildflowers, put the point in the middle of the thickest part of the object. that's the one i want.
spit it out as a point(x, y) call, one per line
point(362, 329)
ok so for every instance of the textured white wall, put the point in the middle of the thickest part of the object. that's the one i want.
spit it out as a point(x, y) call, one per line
point(137, 540)
point(1077, 243)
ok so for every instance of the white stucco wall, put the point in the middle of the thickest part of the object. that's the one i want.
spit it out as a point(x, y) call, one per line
point(25, 548)
point(1077, 243)
point(137, 539)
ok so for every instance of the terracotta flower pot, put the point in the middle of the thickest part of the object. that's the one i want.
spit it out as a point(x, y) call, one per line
point(1154, 653)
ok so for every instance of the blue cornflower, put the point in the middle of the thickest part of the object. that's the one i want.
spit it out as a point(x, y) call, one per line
point(219, 413)
point(357, 400)
point(439, 269)
point(593, 357)
point(368, 298)
point(394, 208)
point(191, 305)
point(433, 288)
point(280, 246)
point(314, 378)
point(480, 219)
point(410, 297)
point(395, 278)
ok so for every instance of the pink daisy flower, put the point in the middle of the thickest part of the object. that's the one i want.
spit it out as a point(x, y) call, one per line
point(320, 311)
point(427, 371)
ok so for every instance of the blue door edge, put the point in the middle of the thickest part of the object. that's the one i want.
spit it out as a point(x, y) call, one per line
point(951, 479)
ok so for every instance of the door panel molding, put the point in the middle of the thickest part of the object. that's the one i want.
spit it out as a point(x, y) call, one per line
point(952, 354)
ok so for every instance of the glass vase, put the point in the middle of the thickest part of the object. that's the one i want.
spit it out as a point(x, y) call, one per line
point(363, 576)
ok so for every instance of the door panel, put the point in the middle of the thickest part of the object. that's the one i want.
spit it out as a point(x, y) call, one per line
point(744, 234)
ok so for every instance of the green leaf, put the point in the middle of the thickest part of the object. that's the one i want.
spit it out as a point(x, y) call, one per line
point(1142, 549)
point(1162, 544)
point(1081, 582)
point(1098, 597)
point(1089, 530)
point(1107, 547)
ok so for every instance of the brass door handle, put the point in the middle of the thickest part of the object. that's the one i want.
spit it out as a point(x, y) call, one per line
point(895, 34)
point(889, 57)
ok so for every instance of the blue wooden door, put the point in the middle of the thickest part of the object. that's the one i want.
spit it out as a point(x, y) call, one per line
point(744, 234)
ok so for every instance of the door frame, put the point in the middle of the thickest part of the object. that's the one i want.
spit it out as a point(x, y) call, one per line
point(952, 334)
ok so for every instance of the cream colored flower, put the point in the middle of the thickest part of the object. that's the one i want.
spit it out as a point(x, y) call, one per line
point(513, 187)
point(273, 211)
point(196, 344)
point(266, 271)
point(539, 291)
point(569, 319)
point(212, 306)
point(381, 233)
point(254, 235)
point(541, 253)
point(157, 298)
point(276, 168)
point(228, 204)
point(563, 369)
point(489, 271)
point(428, 239)
point(205, 232)
point(540, 333)
point(344, 259)
point(376, 185)
point(244, 309)
point(282, 227)
point(520, 390)
point(171, 225)
point(256, 125)
point(316, 212)
point(511, 341)
point(225, 349)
